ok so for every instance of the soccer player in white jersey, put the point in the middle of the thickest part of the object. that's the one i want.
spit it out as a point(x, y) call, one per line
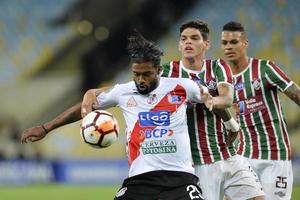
point(263, 138)
point(219, 169)
point(160, 164)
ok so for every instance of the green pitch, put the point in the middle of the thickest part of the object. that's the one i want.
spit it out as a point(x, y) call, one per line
point(66, 192)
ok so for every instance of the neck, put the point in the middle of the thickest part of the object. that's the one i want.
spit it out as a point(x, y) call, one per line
point(194, 63)
point(238, 66)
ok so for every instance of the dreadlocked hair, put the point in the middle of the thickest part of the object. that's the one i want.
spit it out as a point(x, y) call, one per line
point(142, 50)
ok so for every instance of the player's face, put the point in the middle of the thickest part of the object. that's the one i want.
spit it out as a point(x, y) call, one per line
point(234, 45)
point(145, 76)
point(191, 43)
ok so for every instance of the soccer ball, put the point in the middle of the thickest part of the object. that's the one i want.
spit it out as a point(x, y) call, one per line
point(99, 129)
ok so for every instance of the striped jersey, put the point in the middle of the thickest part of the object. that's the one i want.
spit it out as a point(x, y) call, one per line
point(207, 133)
point(156, 127)
point(264, 133)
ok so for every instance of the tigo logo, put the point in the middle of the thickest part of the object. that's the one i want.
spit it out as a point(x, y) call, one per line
point(154, 118)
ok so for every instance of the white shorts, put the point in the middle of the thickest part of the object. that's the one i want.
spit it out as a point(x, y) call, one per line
point(276, 177)
point(232, 177)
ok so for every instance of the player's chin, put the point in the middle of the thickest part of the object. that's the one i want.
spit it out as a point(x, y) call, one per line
point(143, 90)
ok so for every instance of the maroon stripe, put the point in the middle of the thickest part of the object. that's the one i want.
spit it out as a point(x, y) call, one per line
point(283, 127)
point(175, 69)
point(227, 71)
point(268, 125)
point(221, 138)
point(208, 71)
point(202, 134)
point(239, 96)
point(279, 71)
point(254, 138)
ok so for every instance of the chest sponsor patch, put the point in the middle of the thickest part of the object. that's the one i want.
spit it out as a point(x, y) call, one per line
point(154, 118)
point(239, 86)
point(250, 105)
point(159, 147)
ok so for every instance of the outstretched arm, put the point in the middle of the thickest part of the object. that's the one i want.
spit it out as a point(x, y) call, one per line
point(71, 115)
point(293, 92)
point(36, 133)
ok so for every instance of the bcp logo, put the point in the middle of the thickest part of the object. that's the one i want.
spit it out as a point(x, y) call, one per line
point(154, 118)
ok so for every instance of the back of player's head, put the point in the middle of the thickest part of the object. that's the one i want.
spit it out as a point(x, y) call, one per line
point(233, 26)
point(142, 50)
point(202, 26)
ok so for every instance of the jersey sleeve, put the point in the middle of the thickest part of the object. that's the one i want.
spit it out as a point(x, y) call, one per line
point(276, 77)
point(223, 73)
point(193, 91)
point(109, 98)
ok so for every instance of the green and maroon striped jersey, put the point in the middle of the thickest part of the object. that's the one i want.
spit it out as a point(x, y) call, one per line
point(207, 133)
point(264, 133)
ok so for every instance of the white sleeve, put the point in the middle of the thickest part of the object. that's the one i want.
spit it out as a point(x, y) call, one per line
point(109, 98)
point(193, 91)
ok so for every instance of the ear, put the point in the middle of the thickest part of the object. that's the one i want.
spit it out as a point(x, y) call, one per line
point(207, 44)
point(246, 43)
point(159, 70)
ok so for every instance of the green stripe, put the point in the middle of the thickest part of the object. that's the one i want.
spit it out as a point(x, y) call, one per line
point(184, 74)
point(166, 70)
point(193, 137)
point(247, 83)
point(219, 73)
point(275, 78)
point(212, 134)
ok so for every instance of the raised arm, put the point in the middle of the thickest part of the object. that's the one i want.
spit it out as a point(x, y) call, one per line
point(293, 92)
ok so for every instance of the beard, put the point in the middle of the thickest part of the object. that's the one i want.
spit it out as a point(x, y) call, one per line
point(145, 89)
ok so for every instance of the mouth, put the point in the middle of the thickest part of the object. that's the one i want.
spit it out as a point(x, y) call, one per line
point(188, 49)
point(142, 87)
point(230, 54)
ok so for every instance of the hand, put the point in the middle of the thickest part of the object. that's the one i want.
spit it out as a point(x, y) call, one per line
point(231, 136)
point(207, 99)
point(33, 134)
point(89, 102)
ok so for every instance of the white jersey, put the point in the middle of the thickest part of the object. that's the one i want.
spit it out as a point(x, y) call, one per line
point(157, 132)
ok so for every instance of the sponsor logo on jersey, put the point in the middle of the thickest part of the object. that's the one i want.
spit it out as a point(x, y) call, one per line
point(212, 84)
point(174, 99)
point(256, 84)
point(239, 86)
point(159, 146)
point(280, 194)
point(131, 102)
point(251, 105)
point(152, 99)
point(154, 118)
point(198, 81)
point(155, 133)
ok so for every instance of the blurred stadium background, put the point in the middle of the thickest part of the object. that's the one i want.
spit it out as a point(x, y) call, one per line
point(53, 51)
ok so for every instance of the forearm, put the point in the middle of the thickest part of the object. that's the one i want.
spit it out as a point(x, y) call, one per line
point(293, 92)
point(223, 113)
point(71, 115)
point(222, 102)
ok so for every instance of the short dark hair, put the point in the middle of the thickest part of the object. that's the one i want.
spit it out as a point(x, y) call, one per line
point(201, 25)
point(141, 50)
point(233, 26)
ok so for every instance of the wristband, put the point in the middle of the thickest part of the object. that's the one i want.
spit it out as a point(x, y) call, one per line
point(44, 128)
point(232, 125)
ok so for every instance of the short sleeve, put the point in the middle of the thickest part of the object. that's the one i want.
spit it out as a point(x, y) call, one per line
point(223, 73)
point(109, 98)
point(193, 91)
point(276, 77)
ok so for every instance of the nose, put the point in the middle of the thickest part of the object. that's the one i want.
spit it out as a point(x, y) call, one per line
point(140, 79)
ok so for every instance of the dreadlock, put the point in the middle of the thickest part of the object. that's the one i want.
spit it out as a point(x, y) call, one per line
point(142, 50)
